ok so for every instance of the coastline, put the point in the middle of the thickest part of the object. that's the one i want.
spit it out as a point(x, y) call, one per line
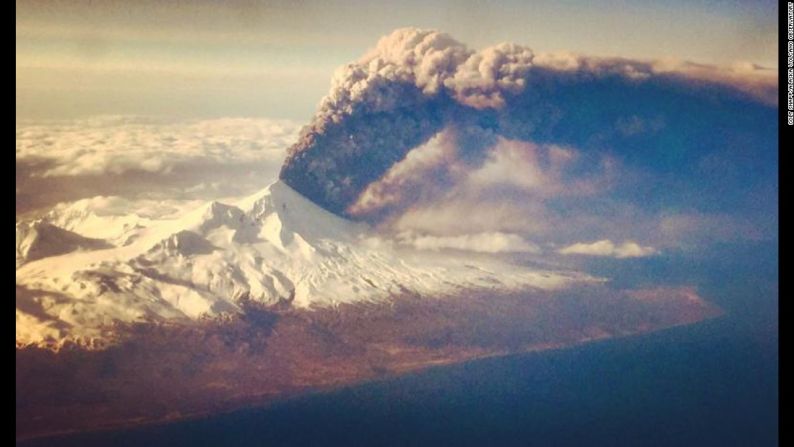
point(268, 400)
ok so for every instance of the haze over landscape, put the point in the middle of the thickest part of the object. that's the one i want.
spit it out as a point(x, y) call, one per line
point(200, 217)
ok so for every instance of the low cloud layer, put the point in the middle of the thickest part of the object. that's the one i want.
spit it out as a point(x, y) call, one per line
point(134, 156)
point(628, 249)
point(491, 242)
point(116, 145)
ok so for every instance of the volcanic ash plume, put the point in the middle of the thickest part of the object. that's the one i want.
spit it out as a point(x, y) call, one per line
point(418, 84)
point(392, 100)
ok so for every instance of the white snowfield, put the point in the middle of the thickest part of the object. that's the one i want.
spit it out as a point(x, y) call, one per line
point(76, 276)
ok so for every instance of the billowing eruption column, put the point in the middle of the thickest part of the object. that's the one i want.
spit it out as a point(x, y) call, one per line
point(416, 83)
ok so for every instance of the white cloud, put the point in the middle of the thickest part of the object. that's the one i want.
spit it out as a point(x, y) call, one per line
point(152, 158)
point(489, 242)
point(117, 145)
point(628, 249)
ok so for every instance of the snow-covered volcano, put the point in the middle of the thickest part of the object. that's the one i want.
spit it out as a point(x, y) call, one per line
point(274, 247)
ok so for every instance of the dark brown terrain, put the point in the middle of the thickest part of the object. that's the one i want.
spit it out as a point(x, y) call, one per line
point(160, 372)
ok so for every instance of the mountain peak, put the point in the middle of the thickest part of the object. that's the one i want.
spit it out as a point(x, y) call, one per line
point(297, 214)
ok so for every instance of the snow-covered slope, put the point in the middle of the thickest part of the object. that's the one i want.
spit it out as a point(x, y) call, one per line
point(272, 247)
point(39, 239)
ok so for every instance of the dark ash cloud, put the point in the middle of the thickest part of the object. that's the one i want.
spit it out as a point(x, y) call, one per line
point(705, 136)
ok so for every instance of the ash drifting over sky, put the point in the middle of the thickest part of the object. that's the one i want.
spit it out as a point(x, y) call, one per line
point(423, 120)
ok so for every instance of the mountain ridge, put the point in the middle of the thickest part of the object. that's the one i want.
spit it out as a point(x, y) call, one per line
point(272, 247)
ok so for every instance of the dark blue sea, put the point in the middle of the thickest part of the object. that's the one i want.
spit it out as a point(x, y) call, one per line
point(709, 384)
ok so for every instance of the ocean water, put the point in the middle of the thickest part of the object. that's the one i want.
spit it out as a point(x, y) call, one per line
point(710, 384)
